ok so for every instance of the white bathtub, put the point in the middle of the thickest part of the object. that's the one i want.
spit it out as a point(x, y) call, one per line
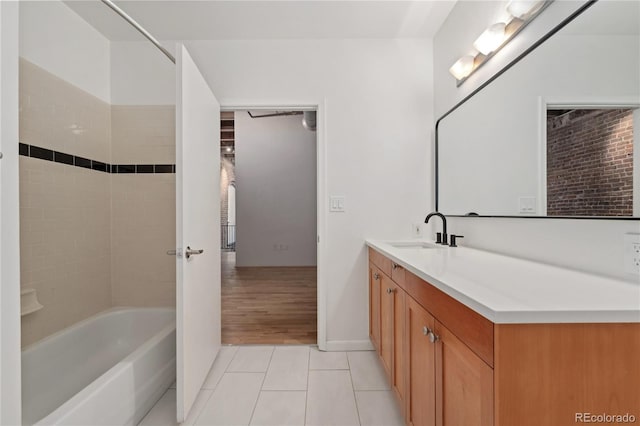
point(109, 369)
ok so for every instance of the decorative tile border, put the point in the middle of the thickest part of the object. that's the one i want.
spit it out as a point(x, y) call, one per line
point(73, 160)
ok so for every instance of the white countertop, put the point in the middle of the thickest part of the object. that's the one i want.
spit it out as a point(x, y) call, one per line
point(506, 290)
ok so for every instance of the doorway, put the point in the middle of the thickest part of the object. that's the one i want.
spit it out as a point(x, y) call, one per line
point(268, 226)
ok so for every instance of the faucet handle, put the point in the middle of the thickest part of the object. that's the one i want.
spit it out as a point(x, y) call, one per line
point(453, 240)
point(438, 237)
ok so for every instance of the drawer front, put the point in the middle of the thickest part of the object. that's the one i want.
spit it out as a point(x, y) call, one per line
point(380, 261)
point(470, 327)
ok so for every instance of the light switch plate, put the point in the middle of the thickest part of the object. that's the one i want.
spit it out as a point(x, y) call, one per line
point(527, 205)
point(337, 203)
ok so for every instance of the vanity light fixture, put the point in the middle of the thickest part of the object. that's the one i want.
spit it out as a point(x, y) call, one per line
point(497, 35)
point(521, 8)
point(491, 38)
point(463, 67)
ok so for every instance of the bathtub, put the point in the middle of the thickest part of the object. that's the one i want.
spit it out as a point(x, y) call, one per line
point(109, 369)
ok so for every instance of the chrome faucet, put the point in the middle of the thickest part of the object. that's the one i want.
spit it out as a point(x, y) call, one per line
point(440, 238)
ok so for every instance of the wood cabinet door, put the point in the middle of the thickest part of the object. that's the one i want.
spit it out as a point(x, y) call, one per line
point(392, 319)
point(386, 323)
point(419, 366)
point(464, 383)
point(398, 371)
point(375, 277)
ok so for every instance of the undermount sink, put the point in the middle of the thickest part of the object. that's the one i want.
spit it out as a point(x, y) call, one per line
point(416, 245)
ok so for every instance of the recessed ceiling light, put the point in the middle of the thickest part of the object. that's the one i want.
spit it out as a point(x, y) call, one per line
point(228, 149)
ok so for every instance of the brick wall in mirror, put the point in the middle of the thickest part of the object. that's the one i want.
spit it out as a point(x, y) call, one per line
point(558, 133)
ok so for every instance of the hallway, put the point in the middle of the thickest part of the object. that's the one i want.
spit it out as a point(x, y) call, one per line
point(268, 305)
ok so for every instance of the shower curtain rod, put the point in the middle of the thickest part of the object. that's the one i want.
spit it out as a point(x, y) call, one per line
point(138, 27)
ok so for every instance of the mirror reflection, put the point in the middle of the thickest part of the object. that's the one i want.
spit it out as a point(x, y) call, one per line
point(590, 162)
point(554, 135)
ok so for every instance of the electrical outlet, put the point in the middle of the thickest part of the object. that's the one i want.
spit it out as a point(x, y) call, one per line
point(632, 253)
point(416, 230)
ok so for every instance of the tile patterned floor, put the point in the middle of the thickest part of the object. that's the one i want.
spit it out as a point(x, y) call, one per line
point(287, 386)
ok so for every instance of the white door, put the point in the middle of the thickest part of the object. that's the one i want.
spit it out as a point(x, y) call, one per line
point(198, 228)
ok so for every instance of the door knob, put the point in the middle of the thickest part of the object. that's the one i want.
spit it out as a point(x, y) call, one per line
point(176, 252)
point(192, 252)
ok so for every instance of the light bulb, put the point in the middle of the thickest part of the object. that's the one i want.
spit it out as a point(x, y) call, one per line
point(490, 39)
point(462, 67)
point(520, 8)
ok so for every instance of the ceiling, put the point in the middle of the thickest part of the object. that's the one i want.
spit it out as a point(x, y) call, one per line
point(245, 20)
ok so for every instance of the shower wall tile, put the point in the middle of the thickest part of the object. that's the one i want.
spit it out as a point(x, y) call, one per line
point(142, 230)
point(91, 240)
point(65, 248)
point(57, 115)
point(143, 206)
point(143, 134)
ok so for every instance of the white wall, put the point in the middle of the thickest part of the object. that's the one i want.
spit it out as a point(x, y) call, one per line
point(276, 191)
point(141, 75)
point(377, 98)
point(55, 38)
point(590, 245)
point(10, 407)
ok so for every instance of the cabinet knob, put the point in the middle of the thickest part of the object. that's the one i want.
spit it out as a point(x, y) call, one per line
point(426, 330)
point(391, 290)
point(376, 276)
point(433, 337)
point(395, 266)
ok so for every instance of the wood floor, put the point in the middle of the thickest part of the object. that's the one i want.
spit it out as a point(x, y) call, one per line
point(274, 305)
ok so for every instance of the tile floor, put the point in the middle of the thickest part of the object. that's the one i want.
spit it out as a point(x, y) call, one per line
point(287, 385)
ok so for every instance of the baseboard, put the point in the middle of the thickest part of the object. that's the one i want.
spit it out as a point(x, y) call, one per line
point(349, 345)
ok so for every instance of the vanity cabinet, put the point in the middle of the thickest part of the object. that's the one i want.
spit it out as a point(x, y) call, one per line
point(464, 383)
point(448, 383)
point(436, 377)
point(394, 300)
point(386, 326)
point(450, 366)
point(374, 306)
point(420, 405)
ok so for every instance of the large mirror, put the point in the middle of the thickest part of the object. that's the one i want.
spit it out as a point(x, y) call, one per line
point(558, 133)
